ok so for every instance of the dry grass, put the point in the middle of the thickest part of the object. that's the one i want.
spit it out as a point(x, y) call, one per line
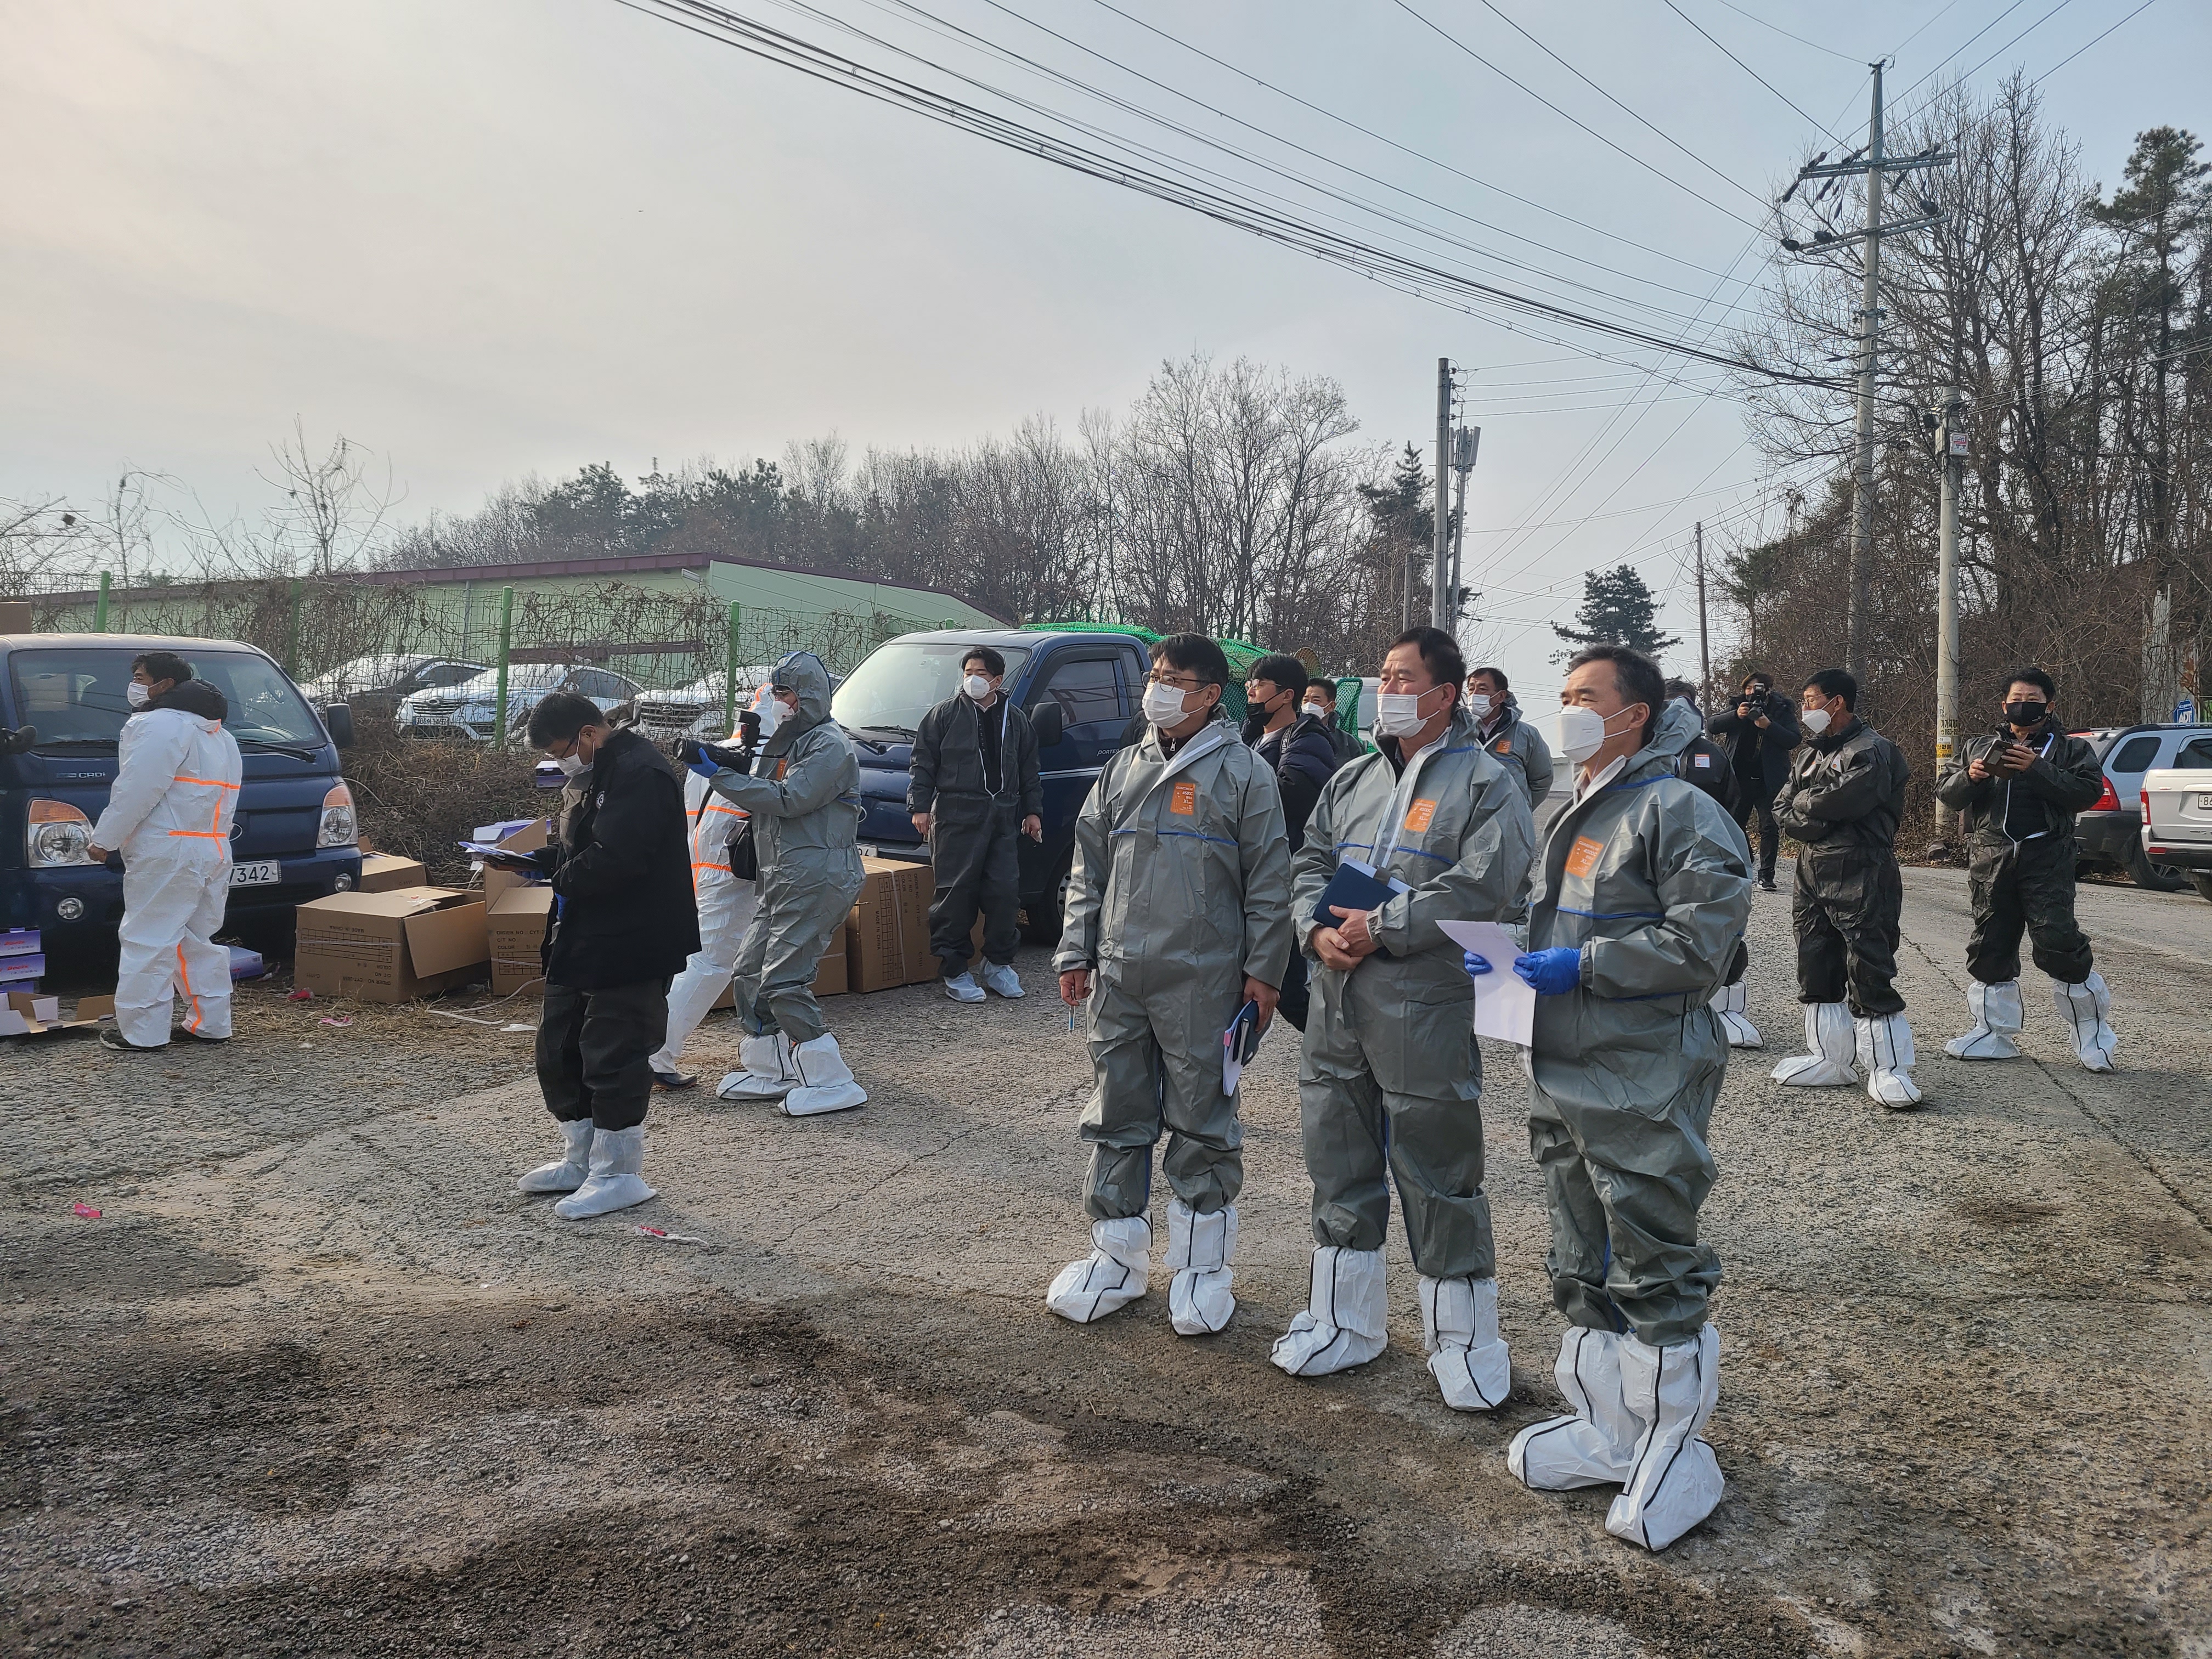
point(418, 796)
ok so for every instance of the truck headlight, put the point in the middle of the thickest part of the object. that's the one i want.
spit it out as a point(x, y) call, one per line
point(56, 835)
point(338, 828)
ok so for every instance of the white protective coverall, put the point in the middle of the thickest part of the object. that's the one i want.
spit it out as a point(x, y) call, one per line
point(169, 814)
point(725, 910)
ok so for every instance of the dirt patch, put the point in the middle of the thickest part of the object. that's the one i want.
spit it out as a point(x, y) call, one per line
point(2005, 1212)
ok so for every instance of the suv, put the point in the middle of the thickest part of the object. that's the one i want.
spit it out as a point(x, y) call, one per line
point(374, 686)
point(470, 709)
point(292, 839)
point(696, 710)
point(1080, 689)
point(2177, 815)
point(2109, 835)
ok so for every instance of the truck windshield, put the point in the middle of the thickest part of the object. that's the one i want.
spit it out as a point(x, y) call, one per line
point(901, 681)
point(76, 695)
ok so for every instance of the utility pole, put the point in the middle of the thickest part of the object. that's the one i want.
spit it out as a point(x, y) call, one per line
point(1705, 648)
point(1465, 443)
point(1951, 444)
point(1874, 163)
point(1440, 570)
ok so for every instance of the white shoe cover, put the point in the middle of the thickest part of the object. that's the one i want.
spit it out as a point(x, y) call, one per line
point(1828, 1040)
point(2084, 1008)
point(1676, 1480)
point(962, 988)
point(1997, 1020)
point(563, 1175)
point(1115, 1273)
point(1001, 979)
point(618, 1155)
point(1729, 1003)
point(1459, 1329)
point(767, 1074)
point(1345, 1320)
point(1595, 1445)
point(826, 1082)
point(1199, 1249)
point(1885, 1048)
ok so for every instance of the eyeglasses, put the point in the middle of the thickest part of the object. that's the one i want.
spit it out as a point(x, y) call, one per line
point(1181, 682)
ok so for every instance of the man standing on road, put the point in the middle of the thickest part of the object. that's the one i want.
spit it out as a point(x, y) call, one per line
point(1391, 1082)
point(1644, 890)
point(2017, 790)
point(1845, 795)
point(1294, 742)
point(1321, 702)
point(1500, 729)
point(169, 813)
point(973, 787)
point(1706, 764)
point(1758, 733)
point(624, 923)
point(1178, 917)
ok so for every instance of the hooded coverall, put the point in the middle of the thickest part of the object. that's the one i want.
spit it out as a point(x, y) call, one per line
point(2020, 832)
point(803, 797)
point(1390, 1078)
point(1843, 800)
point(1517, 746)
point(725, 910)
point(1180, 891)
point(169, 813)
point(1652, 881)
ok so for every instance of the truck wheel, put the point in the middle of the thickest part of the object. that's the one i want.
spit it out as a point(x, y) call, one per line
point(2202, 881)
point(2157, 877)
point(1040, 915)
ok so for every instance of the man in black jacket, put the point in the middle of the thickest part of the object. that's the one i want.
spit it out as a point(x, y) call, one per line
point(1319, 702)
point(1759, 733)
point(1295, 741)
point(2017, 789)
point(1843, 798)
point(1705, 763)
point(623, 924)
point(973, 786)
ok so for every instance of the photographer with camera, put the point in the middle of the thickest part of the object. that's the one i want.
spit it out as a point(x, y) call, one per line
point(1759, 732)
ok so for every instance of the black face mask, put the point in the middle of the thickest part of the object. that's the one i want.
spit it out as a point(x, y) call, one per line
point(2026, 714)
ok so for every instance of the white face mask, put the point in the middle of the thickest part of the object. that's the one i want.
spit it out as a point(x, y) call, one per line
point(1580, 733)
point(1164, 705)
point(1817, 720)
point(1397, 713)
point(1318, 710)
point(976, 687)
point(1478, 704)
point(572, 764)
point(136, 694)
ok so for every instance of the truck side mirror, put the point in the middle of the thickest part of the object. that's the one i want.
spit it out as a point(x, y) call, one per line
point(337, 718)
point(1050, 721)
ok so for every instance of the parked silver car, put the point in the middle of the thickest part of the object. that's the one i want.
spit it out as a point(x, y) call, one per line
point(471, 708)
point(2109, 835)
point(695, 710)
point(375, 686)
point(2177, 814)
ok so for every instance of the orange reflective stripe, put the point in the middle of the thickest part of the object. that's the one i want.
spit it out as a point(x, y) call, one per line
point(211, 783)
point(201, 835)
point(184, 982)
point(724, 868)
point(734, 812)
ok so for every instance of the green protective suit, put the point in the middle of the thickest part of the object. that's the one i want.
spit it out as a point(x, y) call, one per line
point(1181, 889)
point(1652, 880)
point(1390, 1078)
point(803, 797)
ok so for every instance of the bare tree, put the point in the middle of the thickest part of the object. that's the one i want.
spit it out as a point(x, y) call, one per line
point(333, 512)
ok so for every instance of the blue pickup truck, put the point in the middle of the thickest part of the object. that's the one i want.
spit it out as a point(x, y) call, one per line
point(1080, 689)
point(61, 708)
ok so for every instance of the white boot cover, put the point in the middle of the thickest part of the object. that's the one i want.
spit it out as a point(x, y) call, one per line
point(768, 1075)
point(1594, 1445)
point(1199, 1249)
point(565, 1174)
point(1997, 1019)
point(1729, 1003)
point(1885, 1047)
point(1459, 1329)
point(2084, 1008)
point(1828, 1040)
point(1345, 1322)
point(618, 1155)
point(1676, 1480)
point(1114, 1273)
point(826, 1082)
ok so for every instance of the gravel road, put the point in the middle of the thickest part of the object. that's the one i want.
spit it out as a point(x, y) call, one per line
point(317, 1382)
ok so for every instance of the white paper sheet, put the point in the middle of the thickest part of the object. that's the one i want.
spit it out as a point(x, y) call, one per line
point(1505, 1008)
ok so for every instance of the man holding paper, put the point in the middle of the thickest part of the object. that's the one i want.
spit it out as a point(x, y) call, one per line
point(1430, 827)
point(1641, 894)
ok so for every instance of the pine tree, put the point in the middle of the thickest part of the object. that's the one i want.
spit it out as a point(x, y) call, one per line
point(1616, 609)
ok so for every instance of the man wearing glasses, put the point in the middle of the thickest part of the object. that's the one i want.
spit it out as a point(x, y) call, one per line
point(1178, 917)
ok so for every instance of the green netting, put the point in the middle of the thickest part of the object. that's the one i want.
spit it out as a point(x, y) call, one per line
point(1242, 655)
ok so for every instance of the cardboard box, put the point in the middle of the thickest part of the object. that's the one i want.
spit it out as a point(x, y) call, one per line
point(21, 970)
point(529, 838)
point(27, 1015)
point(515, 924)
point(390, 947)
point(20, 942)
point(887, 934)
point(383, 872)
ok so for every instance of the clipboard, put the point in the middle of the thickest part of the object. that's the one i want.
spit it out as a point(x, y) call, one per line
point(1355, 886)
point(1239, 1043)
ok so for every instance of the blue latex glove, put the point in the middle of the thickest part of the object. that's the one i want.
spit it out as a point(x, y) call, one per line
point(703, 767)
point(1475, 965)
point(1552, 972)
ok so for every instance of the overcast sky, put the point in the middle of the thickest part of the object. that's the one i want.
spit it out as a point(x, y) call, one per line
point(488, 237)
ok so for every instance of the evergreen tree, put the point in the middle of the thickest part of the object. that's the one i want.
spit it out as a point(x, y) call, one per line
point(1616, 609)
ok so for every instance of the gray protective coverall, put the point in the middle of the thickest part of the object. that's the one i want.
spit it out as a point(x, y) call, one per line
point(1843, 797)
point(1521, 748)
point(1390, 1074)
point(804, 796)
point(1652, 880)
point(1181, 889)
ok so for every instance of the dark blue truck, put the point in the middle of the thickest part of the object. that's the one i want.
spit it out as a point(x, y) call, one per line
point(61, 708)
point(1080, 689)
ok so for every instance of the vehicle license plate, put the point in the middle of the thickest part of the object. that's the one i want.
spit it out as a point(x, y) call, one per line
point(2204, 802)
point(253, 875)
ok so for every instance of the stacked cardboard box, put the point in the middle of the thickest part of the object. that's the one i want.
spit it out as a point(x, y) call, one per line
point(382, 872)
point(390, 947)
point(515, 923)
point(887, 934)
point(22, 958)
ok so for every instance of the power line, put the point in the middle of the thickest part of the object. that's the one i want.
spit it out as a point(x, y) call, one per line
point(1746, 68)
point(2016, 39)
point(1778, 28)
point(2078, 51)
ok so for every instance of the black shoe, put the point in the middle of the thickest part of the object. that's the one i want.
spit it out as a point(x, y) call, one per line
point(1766, 885)
point(197, 1036)
point(672, 1081)
point(112, 1038)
